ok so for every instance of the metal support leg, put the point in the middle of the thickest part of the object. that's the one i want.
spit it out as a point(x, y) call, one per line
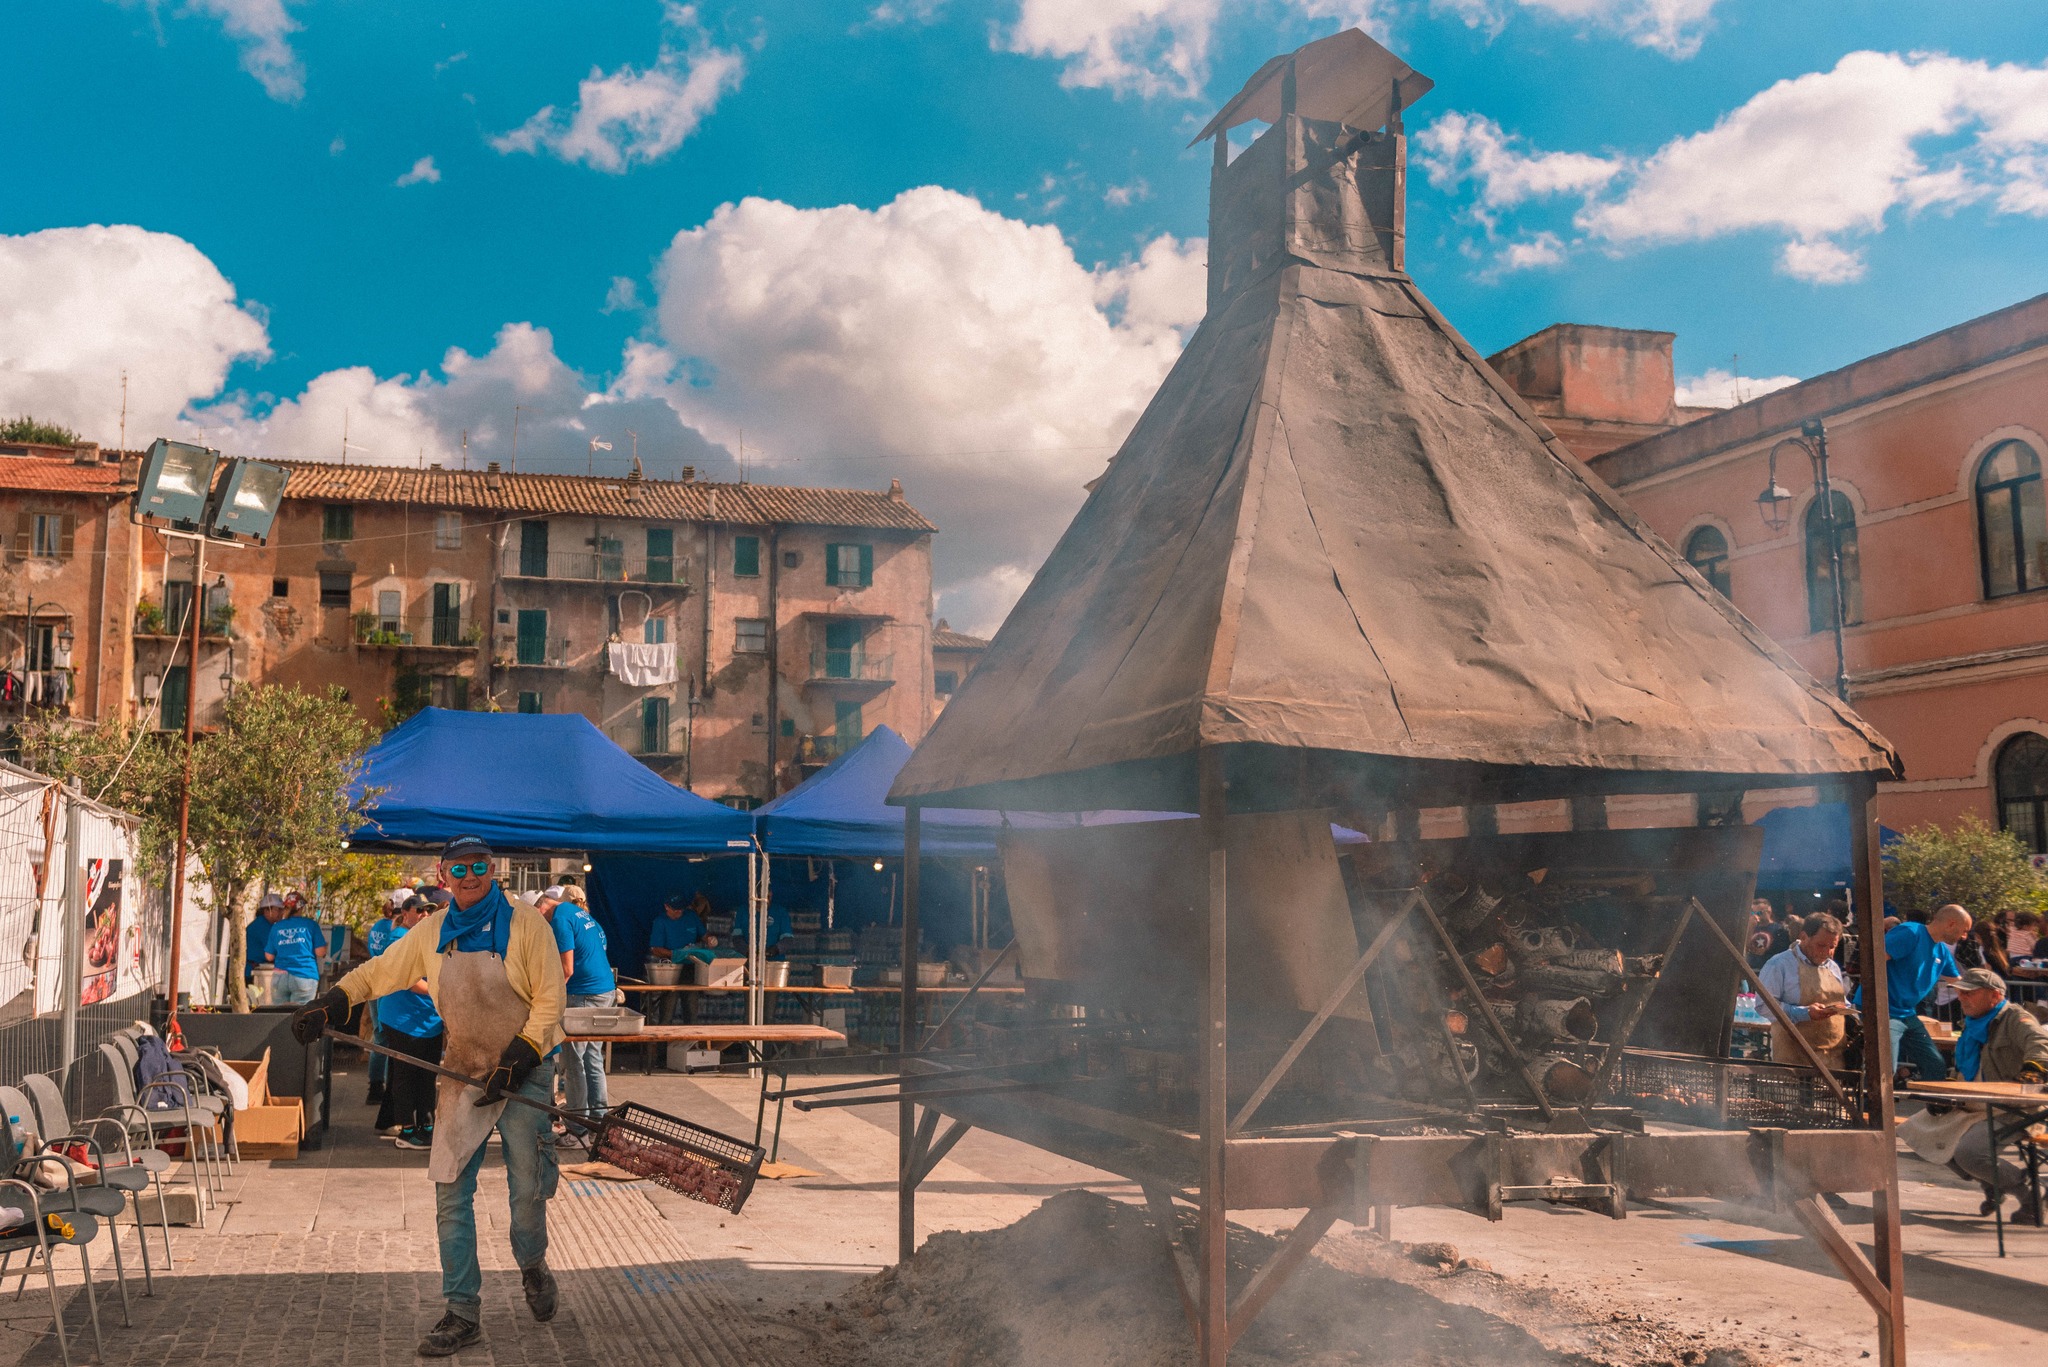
point(1213, 1339)
point(1890, 1260)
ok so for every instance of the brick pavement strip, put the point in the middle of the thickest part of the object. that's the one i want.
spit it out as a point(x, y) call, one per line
point(361, 1297)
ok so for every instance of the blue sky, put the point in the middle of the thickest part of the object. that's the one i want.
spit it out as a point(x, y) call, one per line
point(973, 238)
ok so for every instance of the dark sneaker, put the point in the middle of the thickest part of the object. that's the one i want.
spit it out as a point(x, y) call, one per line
point(414, 1139)
point(376, 1097)
point(449, 1337)
point(539, 1285)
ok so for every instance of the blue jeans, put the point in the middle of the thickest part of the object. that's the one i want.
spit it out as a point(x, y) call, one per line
point(1910, 1044)
point(290, 991)
point(583, 1064)
point(527, 1137)
point(380, 1067)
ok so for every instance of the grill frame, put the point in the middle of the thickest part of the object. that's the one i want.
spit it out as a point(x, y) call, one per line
point(628, 1123)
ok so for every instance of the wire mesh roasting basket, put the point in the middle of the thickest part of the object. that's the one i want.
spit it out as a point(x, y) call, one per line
point(687, 1158)
point(1731, 1091)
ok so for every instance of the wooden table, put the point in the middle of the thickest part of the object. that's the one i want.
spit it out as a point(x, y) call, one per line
point(1994, 1097)
point(720, 1034)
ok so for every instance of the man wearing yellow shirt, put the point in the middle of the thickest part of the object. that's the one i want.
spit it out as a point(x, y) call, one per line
point(495, 977)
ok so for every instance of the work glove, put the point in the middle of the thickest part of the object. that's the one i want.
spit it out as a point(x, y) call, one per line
point(515, 1065)
point(328, 1011)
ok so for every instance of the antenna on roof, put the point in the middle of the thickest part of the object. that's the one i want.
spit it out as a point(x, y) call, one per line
point(517, 409)
point(590, 461)
point(124, 411)
point(465, 449)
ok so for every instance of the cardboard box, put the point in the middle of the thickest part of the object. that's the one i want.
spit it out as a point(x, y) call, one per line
point(273, 1130)
point(255, 1072)
point(270, 1126)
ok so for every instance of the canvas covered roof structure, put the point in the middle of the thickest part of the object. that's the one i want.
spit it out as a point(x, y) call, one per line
point(1338, 547)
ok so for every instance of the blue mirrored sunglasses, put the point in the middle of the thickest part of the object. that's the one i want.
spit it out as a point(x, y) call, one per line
point(480, 869)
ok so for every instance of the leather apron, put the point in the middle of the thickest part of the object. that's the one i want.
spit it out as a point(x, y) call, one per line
point(483, 1013)
point(1827, 1036)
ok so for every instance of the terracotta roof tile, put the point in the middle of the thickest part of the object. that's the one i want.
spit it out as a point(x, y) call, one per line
point(42, 474)
point(945, 638)
point(603, 496)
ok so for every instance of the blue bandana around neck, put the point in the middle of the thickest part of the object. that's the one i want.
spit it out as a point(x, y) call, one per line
point(485, 926)
point(1970, 1044)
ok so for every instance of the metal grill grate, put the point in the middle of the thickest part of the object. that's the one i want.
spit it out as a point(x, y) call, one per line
point(1731, 1092)
point(689, 1159)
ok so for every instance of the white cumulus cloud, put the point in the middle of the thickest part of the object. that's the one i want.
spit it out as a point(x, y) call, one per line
point(423, 172)
point(932, 339)
point(1817, 160)
point(1725, 389)
point(86, 304)
point(634, 116)
point(1672, 27)
point(262, 29)
point(1459, 147)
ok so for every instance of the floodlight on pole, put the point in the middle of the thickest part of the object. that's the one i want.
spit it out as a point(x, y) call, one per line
point(178, 493)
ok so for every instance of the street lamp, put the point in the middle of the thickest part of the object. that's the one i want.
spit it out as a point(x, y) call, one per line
point(1774, 506)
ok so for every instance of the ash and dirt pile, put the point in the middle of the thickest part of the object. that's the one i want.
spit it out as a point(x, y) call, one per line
point(1085, 1279)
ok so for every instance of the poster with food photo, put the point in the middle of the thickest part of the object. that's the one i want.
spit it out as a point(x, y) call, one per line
point(102, 930)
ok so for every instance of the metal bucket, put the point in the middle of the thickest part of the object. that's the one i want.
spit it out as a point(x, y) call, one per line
point(263, 992)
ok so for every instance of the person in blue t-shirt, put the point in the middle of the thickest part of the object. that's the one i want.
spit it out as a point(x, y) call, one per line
point(677, 928)
point(407, 1022)
point(257, 942)
point(587, 969)
point(296, 948)
point(1918, 958)
point(382, 932)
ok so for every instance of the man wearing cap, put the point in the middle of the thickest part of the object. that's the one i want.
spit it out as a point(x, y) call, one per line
point(257, 941)
point(675, 930)
point(1999, 1043)
point(495, 978)
point(587, 967)
point(297, 947)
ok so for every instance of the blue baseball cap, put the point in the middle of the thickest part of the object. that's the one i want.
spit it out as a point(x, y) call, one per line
point(466, 847)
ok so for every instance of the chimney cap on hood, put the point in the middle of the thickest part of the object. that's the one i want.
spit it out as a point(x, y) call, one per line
point(1345, 78)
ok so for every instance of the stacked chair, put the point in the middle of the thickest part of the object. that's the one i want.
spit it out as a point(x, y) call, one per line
point(93, 1170)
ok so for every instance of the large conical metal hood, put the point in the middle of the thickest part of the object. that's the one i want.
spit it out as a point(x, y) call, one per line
point(1337, 545)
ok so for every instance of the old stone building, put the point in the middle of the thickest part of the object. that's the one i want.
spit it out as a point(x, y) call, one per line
point(732, 636)
point(1936, 451)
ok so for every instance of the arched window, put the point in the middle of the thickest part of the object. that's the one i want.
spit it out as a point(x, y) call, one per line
point(1706, 550)
point(1820, 599)
point(2022, 779)
point(2012, 519)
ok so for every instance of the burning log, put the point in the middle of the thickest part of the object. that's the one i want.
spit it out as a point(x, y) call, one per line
point(1544, 977)
point(1547, 1020)
point(1563, 1081)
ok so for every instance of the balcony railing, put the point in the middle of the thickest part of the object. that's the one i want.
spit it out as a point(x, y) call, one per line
point(631, 737)
point(414, 631)
point(857, 666)
point(815, 752)
point(597, 567)
point(532, 652)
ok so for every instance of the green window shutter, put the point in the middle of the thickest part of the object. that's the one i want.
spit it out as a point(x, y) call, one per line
point(171, 702)
point(529, 702)
point(533, 636)
point(661, 556)
point(867, 565)
point(746, 556)
point(832, 564)
point(67, 537)
point(338, 522)
point(533, 549)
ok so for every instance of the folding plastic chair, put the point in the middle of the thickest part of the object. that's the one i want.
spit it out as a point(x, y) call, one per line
point(38, 1238)
point(128, 1172)
point(143, 1125)
point(184, 1102)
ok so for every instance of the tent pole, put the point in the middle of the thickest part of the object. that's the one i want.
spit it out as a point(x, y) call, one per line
point(1214, 1041)
point(755, 958)
point(906, 1117)
point(1866, 857)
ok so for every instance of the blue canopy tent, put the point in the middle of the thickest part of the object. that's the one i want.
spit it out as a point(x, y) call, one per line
point(531, 783)
point(1806, 849)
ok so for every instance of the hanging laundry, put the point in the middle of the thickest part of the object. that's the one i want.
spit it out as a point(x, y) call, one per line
point(644, 666)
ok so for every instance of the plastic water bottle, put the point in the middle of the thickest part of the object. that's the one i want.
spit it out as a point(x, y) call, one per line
point(14, 1136)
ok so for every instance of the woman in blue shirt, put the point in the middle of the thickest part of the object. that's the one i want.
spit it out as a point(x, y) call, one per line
point(408, 1023)
point(296, 948)
point(587, 967)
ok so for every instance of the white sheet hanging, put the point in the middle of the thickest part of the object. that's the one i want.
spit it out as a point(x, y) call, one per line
point(644, 666)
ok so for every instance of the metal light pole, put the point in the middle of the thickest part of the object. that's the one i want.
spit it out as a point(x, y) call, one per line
point(185, 784)
point(1773, 505)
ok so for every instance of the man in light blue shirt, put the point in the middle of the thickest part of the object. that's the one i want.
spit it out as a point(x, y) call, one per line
point(1814, 991)
point(587, 967)
point(1917, 959)
point(297, 947)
